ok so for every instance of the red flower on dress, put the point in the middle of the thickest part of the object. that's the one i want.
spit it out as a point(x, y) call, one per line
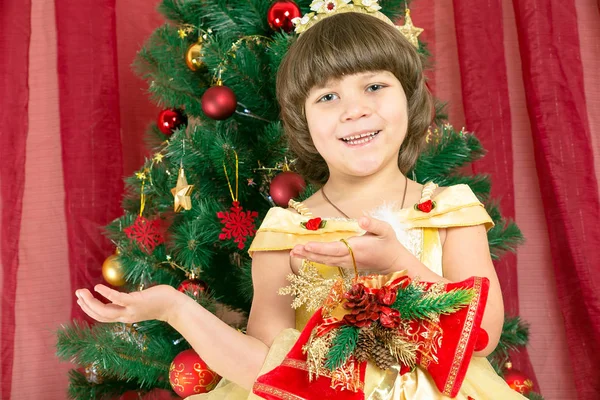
point(313, 224)
point(426, 206)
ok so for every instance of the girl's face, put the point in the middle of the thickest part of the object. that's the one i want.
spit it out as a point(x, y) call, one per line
point(358, 122)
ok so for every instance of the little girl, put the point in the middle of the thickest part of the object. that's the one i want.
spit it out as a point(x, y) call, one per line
point(356, 110)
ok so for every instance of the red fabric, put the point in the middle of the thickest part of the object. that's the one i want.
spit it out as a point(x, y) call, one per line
point(15, 31)
point(460, 332)
point(295, 380)
point(553, 77)
point(459, 329)
point(487, 112)
point(90, 132)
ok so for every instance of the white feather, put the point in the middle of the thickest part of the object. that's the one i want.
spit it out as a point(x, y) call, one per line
point(388, 212)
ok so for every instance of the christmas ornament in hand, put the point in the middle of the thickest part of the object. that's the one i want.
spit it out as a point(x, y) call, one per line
point(286, 186)
point(281, 13)
point(517, 380)
point(112, 270)
point(190, 375)
point(171, 119)
point(219, 102)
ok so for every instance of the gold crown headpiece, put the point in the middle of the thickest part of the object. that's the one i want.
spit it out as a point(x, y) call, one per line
point(326, 8)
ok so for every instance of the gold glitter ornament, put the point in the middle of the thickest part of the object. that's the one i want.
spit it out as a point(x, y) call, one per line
point(309, 288)
point(410, 31)
point(181, 193)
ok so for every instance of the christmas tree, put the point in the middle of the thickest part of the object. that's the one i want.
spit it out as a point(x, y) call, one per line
point(219, 162)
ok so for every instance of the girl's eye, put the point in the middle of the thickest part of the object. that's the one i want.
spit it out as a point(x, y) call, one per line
point(375, 87)
point(326, 98)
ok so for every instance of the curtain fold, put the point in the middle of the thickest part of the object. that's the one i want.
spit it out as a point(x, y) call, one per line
point(553, 78)
point(90, 132)
point(15, 31)
point(487, 113)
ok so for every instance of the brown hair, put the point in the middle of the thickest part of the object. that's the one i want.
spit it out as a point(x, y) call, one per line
point(349, 43)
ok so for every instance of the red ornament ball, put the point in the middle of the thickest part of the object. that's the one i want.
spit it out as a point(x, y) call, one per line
point(195, 286)
point(286, 186)
point(171, 119)
point(517, 380)
point(219, 102)
point(281, 13)
point(190, 375)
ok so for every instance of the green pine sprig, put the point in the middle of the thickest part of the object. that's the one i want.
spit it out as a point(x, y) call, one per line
point(418, 304)
point(108, 388)
point(342, 347)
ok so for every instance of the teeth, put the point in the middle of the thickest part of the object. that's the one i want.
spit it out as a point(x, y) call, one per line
point(358, 139)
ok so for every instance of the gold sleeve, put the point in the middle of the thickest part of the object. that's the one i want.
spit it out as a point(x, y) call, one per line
point(455, 206)
point(282, 229)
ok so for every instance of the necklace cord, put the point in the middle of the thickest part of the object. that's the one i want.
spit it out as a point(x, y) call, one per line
point(346, 215)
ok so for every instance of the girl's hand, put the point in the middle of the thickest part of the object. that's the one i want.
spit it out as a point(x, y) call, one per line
point(376, 251)
point(152, 303)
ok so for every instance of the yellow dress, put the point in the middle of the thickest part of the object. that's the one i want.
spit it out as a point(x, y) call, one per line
point(418, 232)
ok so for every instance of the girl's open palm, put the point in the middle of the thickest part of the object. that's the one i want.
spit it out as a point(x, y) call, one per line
point(152, 303)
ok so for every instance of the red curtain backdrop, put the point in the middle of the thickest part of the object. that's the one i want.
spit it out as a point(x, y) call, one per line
point(524, 75)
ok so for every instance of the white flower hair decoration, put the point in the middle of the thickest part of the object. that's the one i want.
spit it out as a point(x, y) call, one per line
point(321, 9)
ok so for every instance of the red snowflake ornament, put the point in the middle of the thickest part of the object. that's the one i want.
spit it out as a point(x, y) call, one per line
point(238, 224)
point(145, 233)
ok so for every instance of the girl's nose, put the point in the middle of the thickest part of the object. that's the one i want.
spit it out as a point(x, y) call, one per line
point(355, 109)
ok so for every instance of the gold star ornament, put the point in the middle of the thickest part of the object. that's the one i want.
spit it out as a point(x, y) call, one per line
point(410, 31)
point(181, 193)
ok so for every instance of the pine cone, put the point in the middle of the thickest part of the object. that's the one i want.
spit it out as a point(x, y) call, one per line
point(357, 297)
point(364, 307)
point(364, 345)
point(363, 316)
point(382, 356)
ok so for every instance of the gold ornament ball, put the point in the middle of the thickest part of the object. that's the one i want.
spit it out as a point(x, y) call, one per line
point(193, 57)
point(112, 271)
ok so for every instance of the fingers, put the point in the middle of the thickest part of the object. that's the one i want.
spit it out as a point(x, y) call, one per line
point(325, 255)
point(91, 313)
point(98, 310)
point(334, 249)
point(374, 226)
point(112, 295)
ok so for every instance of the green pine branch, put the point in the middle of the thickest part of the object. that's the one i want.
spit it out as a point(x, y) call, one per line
point(119, 352)
point(515, 335)
point(393, 9)
point(426, 306)
point(171, 83)
point(106, 389)
point(342, 347)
